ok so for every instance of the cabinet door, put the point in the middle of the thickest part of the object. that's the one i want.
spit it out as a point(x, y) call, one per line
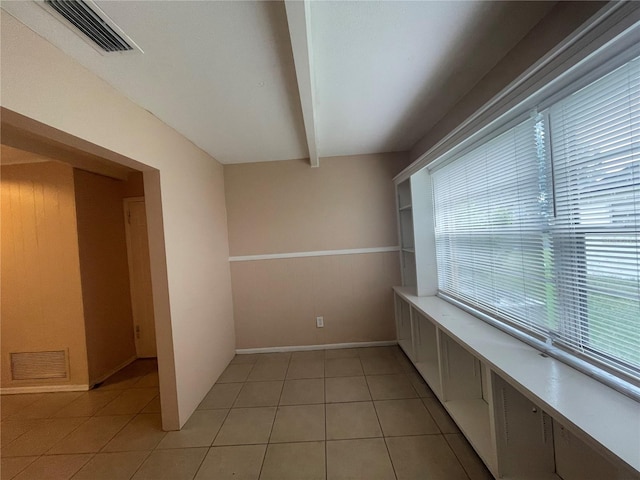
point(524, 434)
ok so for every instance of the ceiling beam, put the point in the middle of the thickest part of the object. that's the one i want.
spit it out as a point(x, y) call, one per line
point(298, 18)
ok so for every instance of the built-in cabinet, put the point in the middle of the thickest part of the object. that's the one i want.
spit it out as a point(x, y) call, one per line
point(514, 435)
point(527, 416)
point(404, 325)
point(463, 395)
point(405, 227)
point(524, 436)
point(426, 357)
point(415, 229)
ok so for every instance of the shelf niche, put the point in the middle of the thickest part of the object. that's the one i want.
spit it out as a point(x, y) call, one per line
point(403, 327)
point(426, 352)
point(416, 233)
point(464, 398)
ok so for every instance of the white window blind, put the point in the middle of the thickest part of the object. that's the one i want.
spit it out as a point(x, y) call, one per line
point(490, 220)
point(595, 139)
point(540, 226)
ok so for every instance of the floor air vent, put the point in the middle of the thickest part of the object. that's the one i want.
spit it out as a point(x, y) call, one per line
point(39, 365)
point(88, 21)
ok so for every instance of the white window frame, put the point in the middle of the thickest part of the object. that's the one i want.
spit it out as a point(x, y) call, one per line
point(613, 41)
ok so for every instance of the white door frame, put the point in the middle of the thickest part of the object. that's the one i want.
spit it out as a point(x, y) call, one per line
point(29, 134)
point(125, 211)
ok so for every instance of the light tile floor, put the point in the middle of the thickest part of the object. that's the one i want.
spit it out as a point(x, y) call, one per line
point(336, 414)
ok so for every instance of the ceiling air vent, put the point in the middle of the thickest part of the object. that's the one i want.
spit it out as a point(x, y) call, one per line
point(85, 17)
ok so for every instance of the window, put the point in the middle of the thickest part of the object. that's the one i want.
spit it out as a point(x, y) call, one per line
point(539, 227)
point(490, 222)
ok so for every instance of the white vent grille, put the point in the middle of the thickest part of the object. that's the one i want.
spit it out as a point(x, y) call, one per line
point(39, 365)
point(505, 413)
point(89, 19)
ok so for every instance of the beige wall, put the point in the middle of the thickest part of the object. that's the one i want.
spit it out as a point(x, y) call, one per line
point(105, 273)
point(41, 297)
point(282, 207)
point(185, 205)
point(276, 301)
point(285, 207)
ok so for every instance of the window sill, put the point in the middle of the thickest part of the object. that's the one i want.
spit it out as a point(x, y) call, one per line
point(605, 418)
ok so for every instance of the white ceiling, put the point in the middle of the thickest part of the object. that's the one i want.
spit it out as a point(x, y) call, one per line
point(386, 72)
point(223, 74)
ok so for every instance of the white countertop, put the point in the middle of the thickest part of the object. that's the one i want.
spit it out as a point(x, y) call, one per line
point(573, 398)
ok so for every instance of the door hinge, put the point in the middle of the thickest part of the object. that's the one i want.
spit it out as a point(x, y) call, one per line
point(129, 216)
point(138, 332)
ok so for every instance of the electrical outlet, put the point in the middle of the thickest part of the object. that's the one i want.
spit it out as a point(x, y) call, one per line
point(319, 322)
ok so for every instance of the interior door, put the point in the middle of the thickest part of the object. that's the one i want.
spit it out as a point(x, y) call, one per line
point(140, 277)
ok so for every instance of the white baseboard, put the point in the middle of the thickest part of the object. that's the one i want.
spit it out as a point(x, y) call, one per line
point(102, 378)
point(329, 346)
point(43, 389)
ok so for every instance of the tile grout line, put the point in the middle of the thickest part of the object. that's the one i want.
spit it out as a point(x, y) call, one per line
point(144, 460)
point(72, 431)
point(221, 424)
point(242, 444)
point(230, 407)
point(204, 457)
point(23, 433)
point(50, 417)
point(23, 407)
point(133, 417)
point(25, 467)
point(326, 432)
point(100, 449)
point(384, 436)
point(81, 466)
point(455, 454)
point(266, 449)
point(393, 467)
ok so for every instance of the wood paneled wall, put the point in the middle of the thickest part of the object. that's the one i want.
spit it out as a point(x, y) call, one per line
point(41, 294)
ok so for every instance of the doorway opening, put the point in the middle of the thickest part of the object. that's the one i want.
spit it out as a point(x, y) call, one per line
point(88, 172)
point(135, 222)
